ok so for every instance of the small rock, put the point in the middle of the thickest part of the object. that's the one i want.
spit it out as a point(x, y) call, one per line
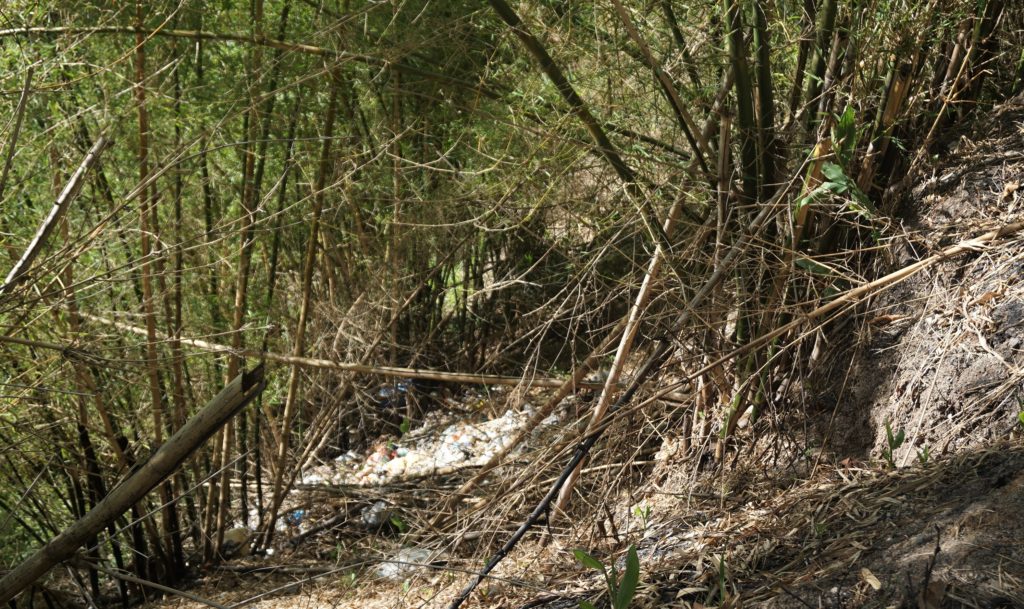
point(395, 467)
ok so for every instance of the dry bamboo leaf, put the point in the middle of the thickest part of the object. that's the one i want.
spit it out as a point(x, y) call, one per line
point(987, 296)
point(870, 579)
point(1008, 190)
point(884, 320)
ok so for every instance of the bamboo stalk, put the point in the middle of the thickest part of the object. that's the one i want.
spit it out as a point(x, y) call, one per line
point(147, 229)
point(744, 98)
point(299, 347)
point(816, 75)
point(767, 145)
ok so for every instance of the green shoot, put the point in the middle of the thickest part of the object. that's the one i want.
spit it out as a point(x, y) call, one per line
point(893, 443)
point(620, 590)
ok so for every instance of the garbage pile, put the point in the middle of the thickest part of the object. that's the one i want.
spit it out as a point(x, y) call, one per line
point(445, 442)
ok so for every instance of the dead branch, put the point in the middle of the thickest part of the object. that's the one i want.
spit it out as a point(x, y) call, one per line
point(390, 371)
point(858, 294)
point(60, 206)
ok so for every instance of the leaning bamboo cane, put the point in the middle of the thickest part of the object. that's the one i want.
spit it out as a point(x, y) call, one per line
point(164, 462)
point(636, 315)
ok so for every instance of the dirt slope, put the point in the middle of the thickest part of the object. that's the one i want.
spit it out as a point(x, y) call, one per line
point(940, 357)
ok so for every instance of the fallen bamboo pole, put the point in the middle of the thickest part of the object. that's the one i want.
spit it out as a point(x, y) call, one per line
point(390, 371)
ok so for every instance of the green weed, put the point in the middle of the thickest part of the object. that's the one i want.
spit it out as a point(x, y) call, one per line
point(620, 591)
point(893, 443)
point(644, 514)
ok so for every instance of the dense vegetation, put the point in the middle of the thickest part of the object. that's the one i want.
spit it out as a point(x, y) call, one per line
point(458, 186)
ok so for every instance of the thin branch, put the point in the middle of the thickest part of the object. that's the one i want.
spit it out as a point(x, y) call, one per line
point(697, 142)
point(295, 47)
point(70, 191)
point(12, 142)
point(116, 574)
point(582, 111)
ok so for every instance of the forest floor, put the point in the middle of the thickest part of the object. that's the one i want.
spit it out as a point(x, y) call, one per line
point(940, 357)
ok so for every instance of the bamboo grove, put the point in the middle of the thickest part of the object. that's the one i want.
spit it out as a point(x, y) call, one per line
point(506, 188)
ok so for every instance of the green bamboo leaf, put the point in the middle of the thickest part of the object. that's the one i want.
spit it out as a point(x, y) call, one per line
point(841, 184)
point(834, 173)
point(809, 198)
point(587, 560)
point(814, 267)
point(845, 134)
point(630, 580)
point(845, 125)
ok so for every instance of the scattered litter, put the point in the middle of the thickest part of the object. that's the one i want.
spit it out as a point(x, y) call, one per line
point(393, 396)
point(236, 543)
point(294, 517)
point(376, 516)
point(404, 563)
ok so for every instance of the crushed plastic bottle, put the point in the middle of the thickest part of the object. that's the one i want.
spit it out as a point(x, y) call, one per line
point(404, 563)
point(294, 517)
point(375, 517)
